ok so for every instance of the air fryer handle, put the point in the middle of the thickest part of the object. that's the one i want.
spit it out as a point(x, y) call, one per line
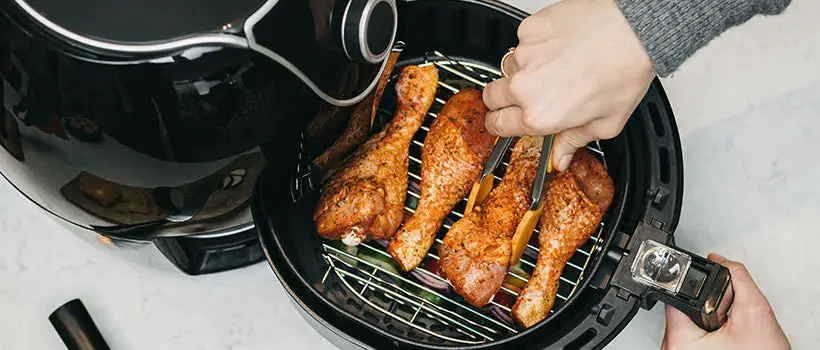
point(706, 293)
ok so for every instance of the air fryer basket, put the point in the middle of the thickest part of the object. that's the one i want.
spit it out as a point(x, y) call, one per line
point(365, 304)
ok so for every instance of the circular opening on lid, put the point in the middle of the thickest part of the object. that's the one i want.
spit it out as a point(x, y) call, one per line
point(380, 28)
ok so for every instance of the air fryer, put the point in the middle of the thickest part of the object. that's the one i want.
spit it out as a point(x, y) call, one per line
point(116, 113)
point(359, 298)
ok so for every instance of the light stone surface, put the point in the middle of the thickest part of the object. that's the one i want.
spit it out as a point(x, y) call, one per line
point(748, 108)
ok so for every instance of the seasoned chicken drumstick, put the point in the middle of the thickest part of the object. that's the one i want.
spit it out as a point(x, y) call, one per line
point(475, 254)
point(364, 199)
point(454, 152)
point(576, 202)
point(357, 128)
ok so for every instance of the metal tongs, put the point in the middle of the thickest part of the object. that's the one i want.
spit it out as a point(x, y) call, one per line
point(482, 187)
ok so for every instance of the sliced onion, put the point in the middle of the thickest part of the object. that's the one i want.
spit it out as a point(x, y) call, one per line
point(500, 314)
point(413, 186)
point(530, 253)
point(431, 282)
point(504, 299)
point(433, 266)
point(438, 284)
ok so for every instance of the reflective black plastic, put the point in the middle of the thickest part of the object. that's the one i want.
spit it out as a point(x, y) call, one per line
point(199, 255)
point(102, 137)
point(708, 294)
point(705, 293)
point(144, 21)
point(76, 328)
point(99, 144)
point(302, 36)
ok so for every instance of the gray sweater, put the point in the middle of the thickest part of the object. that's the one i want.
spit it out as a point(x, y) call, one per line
point(673, 30)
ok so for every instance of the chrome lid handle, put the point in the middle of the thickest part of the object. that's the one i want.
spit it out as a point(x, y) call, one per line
point(368, 29)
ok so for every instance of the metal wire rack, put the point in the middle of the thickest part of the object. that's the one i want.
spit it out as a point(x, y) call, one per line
point(421, 304)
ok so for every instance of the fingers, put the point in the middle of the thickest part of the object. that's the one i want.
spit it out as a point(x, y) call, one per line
point(720, 259)
point(538, 27)
point(498, 94)
point(509, 65)
point(510, 121)
point(750, 311)
point(506, 122)
point(679, 328)
point(570, 140)
point(747, 295)
point(566, 143)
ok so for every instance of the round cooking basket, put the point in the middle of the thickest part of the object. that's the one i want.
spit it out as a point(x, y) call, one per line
point(359, 297)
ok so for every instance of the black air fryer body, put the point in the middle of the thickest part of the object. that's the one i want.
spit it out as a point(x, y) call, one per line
point(357, 300)
point(114, 112)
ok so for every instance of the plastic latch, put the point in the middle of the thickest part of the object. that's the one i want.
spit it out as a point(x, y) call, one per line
point(660, 198)
point(605, 314)
point(660, 266)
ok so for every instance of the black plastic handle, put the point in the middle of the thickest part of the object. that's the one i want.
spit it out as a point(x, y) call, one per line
point(706, 293)
point(76, 328)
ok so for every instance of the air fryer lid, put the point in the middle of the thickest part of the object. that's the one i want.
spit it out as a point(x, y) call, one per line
point(138, 21)
point(336, 47)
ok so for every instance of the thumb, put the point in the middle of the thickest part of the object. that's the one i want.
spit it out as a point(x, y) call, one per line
point(566, 143)
point(747, 295)
point(680, 329)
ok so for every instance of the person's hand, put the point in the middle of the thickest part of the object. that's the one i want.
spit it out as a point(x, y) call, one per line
point(579, 71)
point(751, 323)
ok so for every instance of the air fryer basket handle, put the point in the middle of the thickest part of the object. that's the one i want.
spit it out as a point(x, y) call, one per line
point(706, 293)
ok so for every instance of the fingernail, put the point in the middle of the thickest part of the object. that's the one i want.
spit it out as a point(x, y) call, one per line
point(716, 257)
point(493, 122)
point(563, 162)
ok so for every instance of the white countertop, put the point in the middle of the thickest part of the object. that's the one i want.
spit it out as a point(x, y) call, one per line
point(748, 108)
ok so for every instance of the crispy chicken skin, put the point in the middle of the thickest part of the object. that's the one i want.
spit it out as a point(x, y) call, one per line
point(453, 155)
point(358, 127)
point(577, 200)
point(364, 199)
point(475, 253)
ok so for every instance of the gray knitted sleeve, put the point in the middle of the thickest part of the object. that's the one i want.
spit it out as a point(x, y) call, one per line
point(673, 30)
